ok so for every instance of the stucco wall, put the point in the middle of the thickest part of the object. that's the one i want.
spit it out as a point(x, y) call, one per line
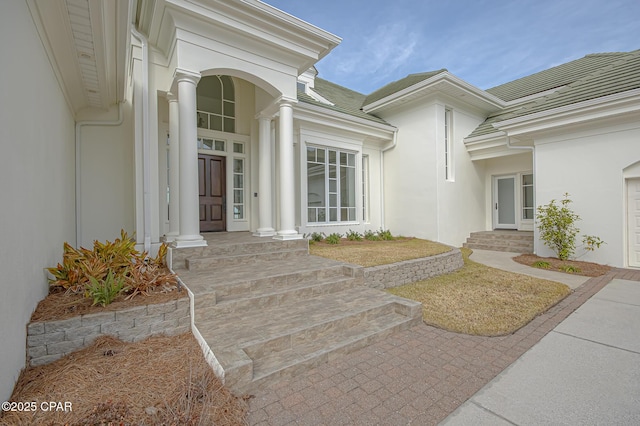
point(460, 199)
point(106, 177)
point(589, 166)
point(419, 200)
point(36, 181)
point(410, 173)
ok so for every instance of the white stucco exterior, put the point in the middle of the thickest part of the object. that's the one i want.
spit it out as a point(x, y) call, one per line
point(102, 139)
point(36, 181)
point(592, 165)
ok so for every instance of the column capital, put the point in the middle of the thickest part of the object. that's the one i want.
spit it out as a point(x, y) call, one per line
point(171, 97)
point(286, 101)
point(264, 115)
point(181, 74)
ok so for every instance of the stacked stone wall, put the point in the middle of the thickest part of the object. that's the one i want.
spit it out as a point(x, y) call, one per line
point(409, 271)
point(48, 341)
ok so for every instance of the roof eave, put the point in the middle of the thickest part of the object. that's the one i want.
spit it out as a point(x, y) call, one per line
point(606, 106)
point(318, 114)
point(492, 102)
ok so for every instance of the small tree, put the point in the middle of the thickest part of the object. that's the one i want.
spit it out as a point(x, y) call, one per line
point(556, 223)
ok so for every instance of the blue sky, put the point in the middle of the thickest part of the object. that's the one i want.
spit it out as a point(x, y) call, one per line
point(484, 42)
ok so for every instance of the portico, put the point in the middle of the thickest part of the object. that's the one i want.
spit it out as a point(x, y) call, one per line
point(226, 110)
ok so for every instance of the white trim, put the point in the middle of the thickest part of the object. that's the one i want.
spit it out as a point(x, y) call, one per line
point(606, 106)
point(493, 102)
point(494, 202)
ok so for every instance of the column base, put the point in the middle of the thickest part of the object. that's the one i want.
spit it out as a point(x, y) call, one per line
point(182, 241)
point(169, 238)
point(265, 232)
point(287, 235)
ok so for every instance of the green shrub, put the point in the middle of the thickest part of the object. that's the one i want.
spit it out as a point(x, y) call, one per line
point(556, 223)
point(103, 292)
point(86, 271)
point(385, 235)
point(569, 269)
point(543, 264)
point(371, 236)
point(315, 237)
point(354, 236)
point(333, 238)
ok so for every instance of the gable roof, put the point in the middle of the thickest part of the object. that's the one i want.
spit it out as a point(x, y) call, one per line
point(399, 85)
point(591, 77)
point(344, 100)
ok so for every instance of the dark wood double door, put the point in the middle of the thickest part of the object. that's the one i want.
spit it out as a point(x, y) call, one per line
point(213, 198)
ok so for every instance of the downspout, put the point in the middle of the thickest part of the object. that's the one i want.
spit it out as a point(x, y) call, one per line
point(146, 145)
point(79, 126)
point(392, 145)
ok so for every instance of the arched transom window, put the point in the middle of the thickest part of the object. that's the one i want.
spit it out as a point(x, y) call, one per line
point(216, 103)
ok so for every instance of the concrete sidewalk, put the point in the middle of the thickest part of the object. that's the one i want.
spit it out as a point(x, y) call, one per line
point(586, 371)
point(504, 261)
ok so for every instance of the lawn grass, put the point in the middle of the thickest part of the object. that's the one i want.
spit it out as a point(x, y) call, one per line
point(483, 301)
point(374, 253)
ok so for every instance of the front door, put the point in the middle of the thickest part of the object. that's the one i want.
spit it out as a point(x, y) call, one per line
point(633, 221)
point(504, 202)
point(213, 199)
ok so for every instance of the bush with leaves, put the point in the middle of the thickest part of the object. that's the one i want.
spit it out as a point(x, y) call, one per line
point(103, 292)
point(371, 236)
point(385, 235)
point(558, 230)
point(86, 271)
point(315, 237)
point(333, 238)
point(354, 236)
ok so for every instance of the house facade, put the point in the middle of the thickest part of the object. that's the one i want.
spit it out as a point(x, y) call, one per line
point(171, 118)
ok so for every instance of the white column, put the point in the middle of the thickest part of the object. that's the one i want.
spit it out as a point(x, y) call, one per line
point(287, 187)
point(174, 167)
point(265, 218)
point(188, 180)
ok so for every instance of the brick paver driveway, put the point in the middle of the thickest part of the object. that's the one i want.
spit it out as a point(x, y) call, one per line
point(417, 376)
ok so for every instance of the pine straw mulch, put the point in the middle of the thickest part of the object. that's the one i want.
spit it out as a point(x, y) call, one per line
point(60, 305)
point(587, 269)
point(158, 381)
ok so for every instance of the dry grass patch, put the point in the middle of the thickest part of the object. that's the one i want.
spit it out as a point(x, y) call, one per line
point(483, 301)
point(159, 381)
point(374, 253)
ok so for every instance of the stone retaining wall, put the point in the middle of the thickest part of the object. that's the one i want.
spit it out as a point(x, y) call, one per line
point(409, 271)
point(48, 341)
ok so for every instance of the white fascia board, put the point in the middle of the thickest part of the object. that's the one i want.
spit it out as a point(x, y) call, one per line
point(606, 106)
point(255, 20)
point(487, 146)
point(432, 83)
point(336, 119)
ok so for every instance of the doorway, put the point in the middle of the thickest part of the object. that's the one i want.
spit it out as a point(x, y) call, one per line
point(633, 222)
point(212, 188)
point(504, 202)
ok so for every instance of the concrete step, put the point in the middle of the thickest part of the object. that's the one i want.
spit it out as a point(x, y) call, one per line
point(208, 262)
point(209, 307)
point(267, 309)
point(261, 345)
point(503, 235)
point(500, 243)
point(508, 241)
point(498, 247)
point(225, 249)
